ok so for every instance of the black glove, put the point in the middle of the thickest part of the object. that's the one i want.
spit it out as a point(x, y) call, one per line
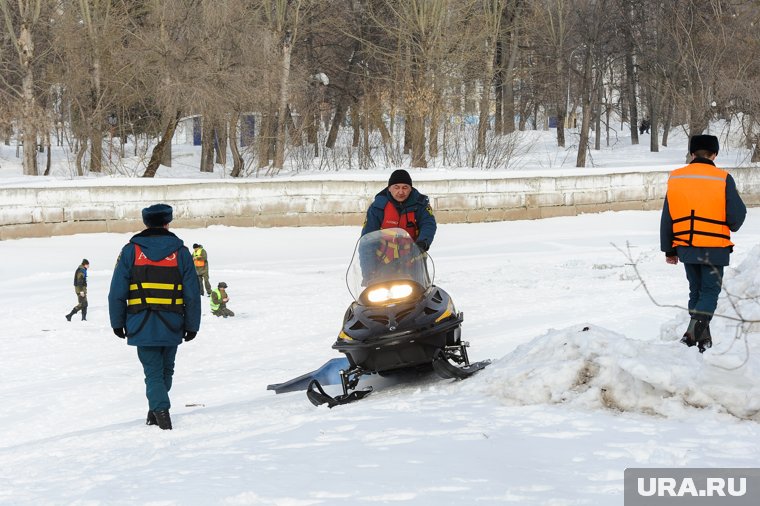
point(119, 332)
point(422, 245)
point(190, 335)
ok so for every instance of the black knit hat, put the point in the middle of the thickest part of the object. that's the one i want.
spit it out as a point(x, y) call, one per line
point(705, 142)
point(400, 176)
point(157, 215)
point(85, 261)
point(222, 284)
point(196, 245)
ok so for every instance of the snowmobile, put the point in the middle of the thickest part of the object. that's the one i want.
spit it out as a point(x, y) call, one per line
point(399, 321)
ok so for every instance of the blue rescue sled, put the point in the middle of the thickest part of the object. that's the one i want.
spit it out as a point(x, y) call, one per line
point(328, 374)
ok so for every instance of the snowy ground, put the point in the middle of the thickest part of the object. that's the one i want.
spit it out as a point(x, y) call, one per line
point(555, 420)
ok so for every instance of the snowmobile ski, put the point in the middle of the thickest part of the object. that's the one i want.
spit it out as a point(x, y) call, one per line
point(318, 396)
point(328, 374)
point(446, 369)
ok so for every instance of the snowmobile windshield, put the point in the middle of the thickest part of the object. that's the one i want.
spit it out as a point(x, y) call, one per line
point(388, 268)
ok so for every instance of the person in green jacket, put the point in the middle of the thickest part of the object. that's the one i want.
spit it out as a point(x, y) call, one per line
point(80, 288)
point(219, 299)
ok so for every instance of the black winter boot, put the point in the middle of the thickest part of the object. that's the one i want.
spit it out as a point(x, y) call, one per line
point(698, 333)
point(163, 420)
point(151, 420)
point(72, 313)
point(688, 337)
point(704, 339)
point(84, 314)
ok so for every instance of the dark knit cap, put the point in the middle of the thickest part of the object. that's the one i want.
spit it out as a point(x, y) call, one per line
point(196, 245)
point(222, 284)
point(705, 142)
point(85, 261)
point(157, 215)
point(400, 176)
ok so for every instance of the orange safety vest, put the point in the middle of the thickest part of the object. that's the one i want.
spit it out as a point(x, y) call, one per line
point(697, 202)
point(407, 221)
point(197, 259)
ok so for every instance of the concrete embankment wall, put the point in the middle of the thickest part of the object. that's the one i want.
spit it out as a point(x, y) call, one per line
point(98, 207)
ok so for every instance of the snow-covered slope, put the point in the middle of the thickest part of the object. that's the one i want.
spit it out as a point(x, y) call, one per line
point(554, 420)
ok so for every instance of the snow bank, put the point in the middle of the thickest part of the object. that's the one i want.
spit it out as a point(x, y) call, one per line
point(594, 368)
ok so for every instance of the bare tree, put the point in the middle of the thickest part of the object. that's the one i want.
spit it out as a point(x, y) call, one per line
point(593, 39)
point(22, 22)
point(551, 26)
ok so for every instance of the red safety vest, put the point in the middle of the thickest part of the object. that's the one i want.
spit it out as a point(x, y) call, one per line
point(407, 221)
point(155, 284)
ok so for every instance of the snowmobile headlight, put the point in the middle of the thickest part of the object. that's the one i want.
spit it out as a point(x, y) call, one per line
point(393, 292)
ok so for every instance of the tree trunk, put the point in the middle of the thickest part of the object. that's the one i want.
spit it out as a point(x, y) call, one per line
point(340, 115)
point(237, 158)
point(80, 156)
point(407, 134)
point(312, 126)
point(355, 125)
point(418, 141)
point(96, 121)
point(598, 95)
point(49, 154)
point(158, 151)
point(220, 146)
point(293, 131)
point(587, 93)
point(509, 92)
point(166, 153)
point(668, 120)
point(29, 129)
point(365, 129)
point(485, 100)
point(562, 86)
point(498, 121)
point(96, 149)
point(748, 122)
point(630, 73)
point(279, 154)
point(207, 145)
point(435, 119)
point(377, 122)
point(654, 117)
point(265, 141)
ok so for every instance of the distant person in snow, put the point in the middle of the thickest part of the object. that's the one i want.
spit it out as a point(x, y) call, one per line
point(80, 288)
point(644, 126)
point(219, 299)
point(200, 259)
point(154, 302)
point(702, 207)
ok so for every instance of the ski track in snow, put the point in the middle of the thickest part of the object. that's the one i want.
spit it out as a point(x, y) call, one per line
point(555, 420)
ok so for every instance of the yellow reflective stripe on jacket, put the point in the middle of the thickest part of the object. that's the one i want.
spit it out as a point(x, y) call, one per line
point(159, 286)
point(154, 300)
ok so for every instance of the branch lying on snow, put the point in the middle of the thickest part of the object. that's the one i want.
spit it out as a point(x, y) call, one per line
point(744, 324)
